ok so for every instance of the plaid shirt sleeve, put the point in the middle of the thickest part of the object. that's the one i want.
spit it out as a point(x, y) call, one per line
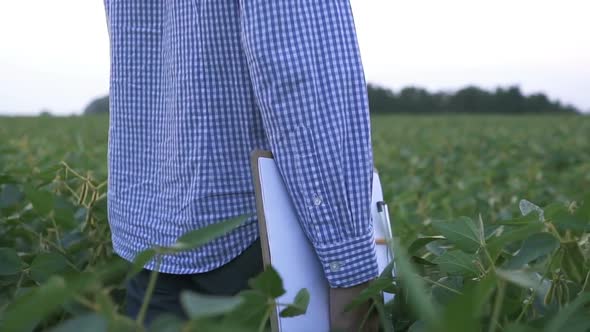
point(308, 79)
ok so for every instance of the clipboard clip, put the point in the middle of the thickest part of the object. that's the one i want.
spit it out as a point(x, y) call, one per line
point(383, 212)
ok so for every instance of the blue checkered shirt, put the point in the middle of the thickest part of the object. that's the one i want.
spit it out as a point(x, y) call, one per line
point(196, 85)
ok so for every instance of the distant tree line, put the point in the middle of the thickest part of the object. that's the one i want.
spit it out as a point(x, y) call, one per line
point(99, 105)
point(467, 100)
point(417, 100)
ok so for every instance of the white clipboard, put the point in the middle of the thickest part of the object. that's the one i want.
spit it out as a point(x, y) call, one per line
point(286, 247)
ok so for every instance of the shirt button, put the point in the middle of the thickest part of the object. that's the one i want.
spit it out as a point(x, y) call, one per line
point(317, 200)
point(335, 266)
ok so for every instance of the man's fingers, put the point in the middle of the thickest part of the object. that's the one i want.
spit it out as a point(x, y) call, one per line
point(356, 319)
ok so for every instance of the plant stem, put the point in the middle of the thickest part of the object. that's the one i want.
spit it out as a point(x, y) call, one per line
point(104, 183)
point(497, 306)
point(149, 291)
point(57, 237)
point(526, 306)
point(492, 263)
point(554, 231)
point(452, 290)
point(364, 321)
point(71, 170)
point(585, 284)
point(265, 318)
point(87, 303)
point(385, 322)
point(20, 280)
point(72, 191)
point(533, 294)
point(53, 245)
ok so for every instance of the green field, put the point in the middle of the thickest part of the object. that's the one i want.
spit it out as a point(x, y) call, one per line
point(432, 168)
point(443, 167)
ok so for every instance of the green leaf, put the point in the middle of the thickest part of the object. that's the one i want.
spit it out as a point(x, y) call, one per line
point(436, 248)
point(268, 283)
point(578, 322)
point(10, 263)
point(561, 320)
point(112, 270)
point(374, 288)
point(458, 263)
point(523, 278)
point(214, 325)
point(527, 208)
point(422, 261)
point(415, 288)
point(166, 323)
point(446, 289)
point(106, 305)
point(124, 324)
point(299, 305)
point(531, 218)
point(91, 322)
point(463, 233)
point(573, 262)
point(47, 264)
point(564, 219)
point(519, 328)
point(80, 214)
point(75, 308)
point(10, 196)
point(201, 306)
point(583, 211)
point(464, 312)
point(37, 304)
point(64, 212)
point(255, 308)
point(384, 317)
point(422, 242)
point(419, 326)
point(42, 200)
point(388, 270)
point(510, 235)
point(554, 209)
point(199, 237)
point(140, 260)
point(48, 173)
point(7, 179)
point(535, 246)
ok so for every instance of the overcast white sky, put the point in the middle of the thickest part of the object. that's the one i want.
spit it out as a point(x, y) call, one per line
point(55, 54)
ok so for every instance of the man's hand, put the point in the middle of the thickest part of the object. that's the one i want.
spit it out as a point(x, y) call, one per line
point(352, 319)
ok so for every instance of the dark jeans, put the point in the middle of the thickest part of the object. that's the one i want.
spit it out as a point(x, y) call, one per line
point(228, 279)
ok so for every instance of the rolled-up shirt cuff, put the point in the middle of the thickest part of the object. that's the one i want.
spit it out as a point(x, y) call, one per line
point(350, 262)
